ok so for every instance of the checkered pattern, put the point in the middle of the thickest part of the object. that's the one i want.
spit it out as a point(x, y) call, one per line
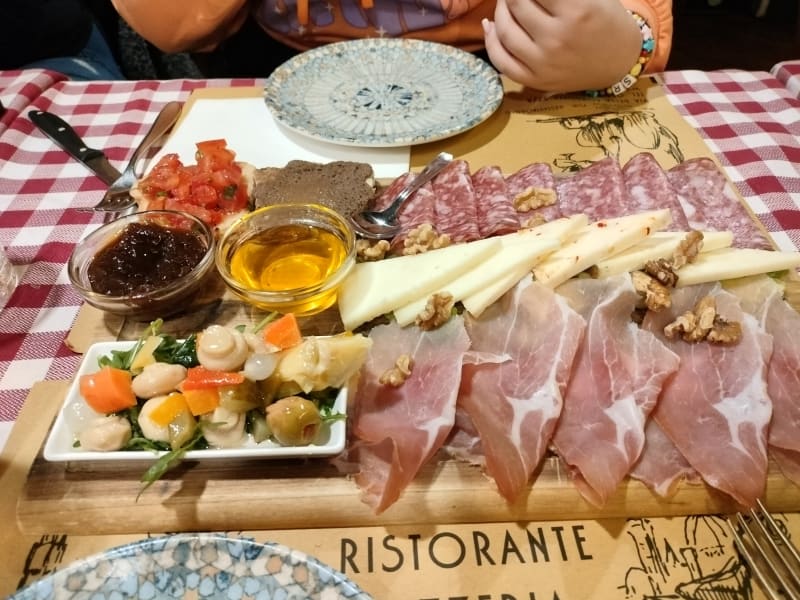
point(788, 73)
point(750, 120)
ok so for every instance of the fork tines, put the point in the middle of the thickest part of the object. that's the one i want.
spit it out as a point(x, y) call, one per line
point(771, 555)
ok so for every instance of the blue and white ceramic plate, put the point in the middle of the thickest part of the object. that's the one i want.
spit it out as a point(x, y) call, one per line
point(195, 566)
point(383, 92)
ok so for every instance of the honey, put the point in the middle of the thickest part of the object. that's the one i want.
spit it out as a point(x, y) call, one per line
point(290, 258)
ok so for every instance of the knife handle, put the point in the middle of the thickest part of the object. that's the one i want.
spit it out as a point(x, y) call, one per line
point(64, 135)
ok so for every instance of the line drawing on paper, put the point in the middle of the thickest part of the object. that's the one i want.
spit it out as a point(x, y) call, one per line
point(612, 132)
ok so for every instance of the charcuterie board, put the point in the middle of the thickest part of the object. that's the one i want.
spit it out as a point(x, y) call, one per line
point(95, 498)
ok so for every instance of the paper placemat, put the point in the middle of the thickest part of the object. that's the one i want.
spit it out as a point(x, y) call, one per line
point(240, 116)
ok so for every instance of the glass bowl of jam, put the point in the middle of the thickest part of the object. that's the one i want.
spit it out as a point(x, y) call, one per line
point(287, 257)
point(145, 265)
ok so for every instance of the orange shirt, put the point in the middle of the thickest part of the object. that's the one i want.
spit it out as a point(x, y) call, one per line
point(178, 25)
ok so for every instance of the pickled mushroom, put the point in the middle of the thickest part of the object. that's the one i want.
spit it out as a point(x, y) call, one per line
point(323, 362)
point(224, 428)
point(221, 348)
point(294, 421)
point(157, 379)
point(106, 434)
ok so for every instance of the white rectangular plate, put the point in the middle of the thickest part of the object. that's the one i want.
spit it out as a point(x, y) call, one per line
point(60, 447)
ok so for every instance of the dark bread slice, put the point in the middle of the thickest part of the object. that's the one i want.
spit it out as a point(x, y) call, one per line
point(344, 186)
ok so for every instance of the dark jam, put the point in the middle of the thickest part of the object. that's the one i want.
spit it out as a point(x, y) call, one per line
point(144, 257)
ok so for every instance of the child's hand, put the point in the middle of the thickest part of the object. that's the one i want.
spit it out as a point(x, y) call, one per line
point(563, 45)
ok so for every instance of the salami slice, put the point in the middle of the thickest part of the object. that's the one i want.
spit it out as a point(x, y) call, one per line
point(385, 197)
point(710, 202)
point(456, 210)
point(598, 191)
point(649, 189)
point(495, 209)
point(531, 182)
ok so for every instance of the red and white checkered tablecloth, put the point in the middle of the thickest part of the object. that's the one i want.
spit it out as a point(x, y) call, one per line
point(788, 73)
point(751, 121)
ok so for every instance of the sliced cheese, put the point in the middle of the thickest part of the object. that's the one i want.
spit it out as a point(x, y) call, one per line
point(519, 252)
point(372, 289)
point(660, 244)
point(731, 263)
point(566, 229)
point(597, 242)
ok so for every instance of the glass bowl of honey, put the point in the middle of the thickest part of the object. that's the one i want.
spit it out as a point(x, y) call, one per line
point(287, 257)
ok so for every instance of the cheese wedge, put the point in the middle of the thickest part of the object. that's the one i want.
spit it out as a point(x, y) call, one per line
point(660, 244)
point(565, 229)
point(597, 242)
point(519, 252)
point(372, 289)
point(731, 263)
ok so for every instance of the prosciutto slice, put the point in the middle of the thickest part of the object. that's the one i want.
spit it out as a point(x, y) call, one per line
point(716, 409)
point(661, 466)
point(513, 379)
point(616, 378)
point(763, 298)
point(396, 430)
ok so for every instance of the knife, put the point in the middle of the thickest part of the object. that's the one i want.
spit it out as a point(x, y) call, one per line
point(65, 137)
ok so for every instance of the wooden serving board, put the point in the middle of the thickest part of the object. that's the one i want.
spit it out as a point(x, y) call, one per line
point(101, 498)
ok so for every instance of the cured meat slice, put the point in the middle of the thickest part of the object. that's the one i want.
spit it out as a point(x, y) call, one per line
point(598, 191)
point(495, 209)
point(456, 210)
point(398, 429)
point(535, 182)
point(649, 188)
point(513, 379)
point(661, 465)
point(716, 409)
point(616, 378)
point(385, 197)
point(763, 298)
point(710, 202)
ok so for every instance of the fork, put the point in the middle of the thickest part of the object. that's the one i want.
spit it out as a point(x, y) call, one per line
point(769, 552)
point(118, 196)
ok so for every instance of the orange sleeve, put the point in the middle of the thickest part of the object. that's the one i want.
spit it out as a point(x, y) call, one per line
point(183, 25)
point(658, 14)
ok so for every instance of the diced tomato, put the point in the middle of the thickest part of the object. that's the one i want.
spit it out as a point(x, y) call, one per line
point(209, 190)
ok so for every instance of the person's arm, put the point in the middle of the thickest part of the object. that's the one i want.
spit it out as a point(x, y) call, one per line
point(183, 25)
point(557, 46)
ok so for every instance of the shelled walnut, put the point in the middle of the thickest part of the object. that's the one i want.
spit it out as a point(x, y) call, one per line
point(423, 238)
point(533, 198)
point(367, 250)
point(437, 311)
point(656, 295)
point(397, 375)
point(704, 323)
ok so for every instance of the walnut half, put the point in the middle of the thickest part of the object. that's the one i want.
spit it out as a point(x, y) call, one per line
point(423, 238)
point(656, 295)
point(703, 323)
point(397, 375)
point(367, 251)
point(436, 312)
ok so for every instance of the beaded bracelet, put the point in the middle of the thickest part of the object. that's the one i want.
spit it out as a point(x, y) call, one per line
point(648, 45)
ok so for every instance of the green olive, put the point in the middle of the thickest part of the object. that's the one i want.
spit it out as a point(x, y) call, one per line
point(240, 398)
point(294, 421)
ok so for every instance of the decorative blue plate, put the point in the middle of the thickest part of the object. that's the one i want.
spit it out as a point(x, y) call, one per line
point(195, 566)
point(383, 92)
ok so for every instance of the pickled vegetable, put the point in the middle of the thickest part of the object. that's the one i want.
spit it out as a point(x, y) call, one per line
point(294, 421)
point(240, 398)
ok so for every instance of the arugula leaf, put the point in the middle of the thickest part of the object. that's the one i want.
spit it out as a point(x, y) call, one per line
point(169, 460)
point(123, 359)
point(170, 350)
